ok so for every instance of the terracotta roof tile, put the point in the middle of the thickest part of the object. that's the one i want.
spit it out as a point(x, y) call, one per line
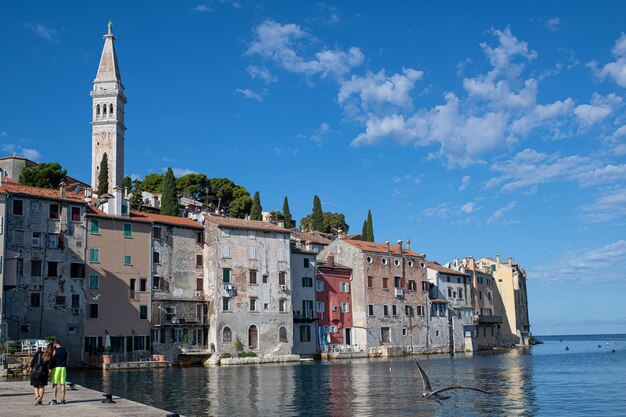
point(380, 248)
point(10, 186)
point(173, 220)
point(440, 268)
point(243, 224)
point(313, 237)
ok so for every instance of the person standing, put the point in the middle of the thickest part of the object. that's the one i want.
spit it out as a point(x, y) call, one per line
point(59, 374)
point(39, 371)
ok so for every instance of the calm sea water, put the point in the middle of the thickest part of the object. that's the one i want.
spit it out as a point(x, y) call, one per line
point(585, 380)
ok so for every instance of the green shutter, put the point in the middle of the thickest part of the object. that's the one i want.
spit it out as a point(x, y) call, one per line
point(128, 230)
point(143, 312)
point(94, 255)
point(226, 275)
point(94, 226)
point(94, 282)
point(127, 260)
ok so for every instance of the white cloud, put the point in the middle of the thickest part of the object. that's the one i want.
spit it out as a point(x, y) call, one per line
point(497, 215)
point(552, 24)
point(319, 133)
point(19, 150)
point(465, 182)
point(604, 175)
point(3, 134)
point(201, 8)
point(261, 74)
point(47, 33)
point(599, 109)
point(415, 179)
point(601, 264)
point(469, 208)
point(444, 211)
point(279, 42)
point(611, 205)
point(508, 48)
point(179, 172)
point(249, 94)
point(441, 210)
point(615, 70)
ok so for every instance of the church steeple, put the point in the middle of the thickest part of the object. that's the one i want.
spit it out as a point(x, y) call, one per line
point(108, 115)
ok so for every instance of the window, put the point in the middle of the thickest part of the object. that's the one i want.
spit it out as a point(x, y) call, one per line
point(282, 305)
point(488, 296)
point(225, 251)
point(480, 295)
point(282, 335)
point(345, 307)
point(127, 260)
point(199, 284)
point(59, 300)
point(449, 292)
point(157, 233)
point(143, 284)
point(18, 207)
point(384, 261)
point(199, 260)
point(94, 255)
point(52, 269)
point(226, 335)
point(18, 237)
point(253, 304)
point(128, 230)
point(35, 299)
point(424, 286)
point(75, 214)
point(394, 310)
point(409, 311)
point(265, 278)
point(156, 282)
point(54, 211)
point(385, 282)
point(251, 252)
point(94, 226)
point(307, 282)
point(252, 273)
point(397, 282)
point(458, 280)
point(344, 287)
point(386, 310)
point(460, 293)
point(143, 312)
point(281, 278)
point(124, 209)
point(226, 233)
point(251, 234)
point(369, 259)
point(412, 285)
point(305, 333)
point(93, 311)
point(35, 208)
point(225, 304)
point(19, 268)
point(77, 270)
point(35, 268)
point(156, 258)
point(370, 309)
point(493, 268)
point(94, 282)
point(133, 286)
point(385, 335)
point(319, 285)
point(53, 241)
point(225, 275)
point(307, 309)
point(281, 255)
point(36, 241)
point(420, 310)
point(370, 282)
point(200, 237)
point(307, 263)
point(320, 307)
point(75, 301)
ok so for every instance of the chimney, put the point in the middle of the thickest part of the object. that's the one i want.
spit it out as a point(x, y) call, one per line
point(62, 189)
point(455, 262)
point(88, 195)
point(510, 260)
point(464, 261)
point(472, 264)
point(497, 257)
point(408, 244)
point(399, 242)
point(387, 245)
point(281, 224)
point(330, 260)
point(341, 234)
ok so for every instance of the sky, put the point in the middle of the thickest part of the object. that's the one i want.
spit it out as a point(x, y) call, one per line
point(471, 128)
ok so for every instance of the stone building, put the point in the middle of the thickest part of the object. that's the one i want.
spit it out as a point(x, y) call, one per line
point(42, 264)
point(180, 309)
point(247, 265)
point(512, 299)
point(334, 305)
point(388, 295)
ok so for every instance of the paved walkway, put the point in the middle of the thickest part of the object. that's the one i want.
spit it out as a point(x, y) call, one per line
point(16, 400)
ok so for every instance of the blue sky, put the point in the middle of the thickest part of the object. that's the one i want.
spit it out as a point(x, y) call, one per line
point(472, 129)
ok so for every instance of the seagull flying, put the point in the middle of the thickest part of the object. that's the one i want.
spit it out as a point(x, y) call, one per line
point(95, 297)
point(428, 391)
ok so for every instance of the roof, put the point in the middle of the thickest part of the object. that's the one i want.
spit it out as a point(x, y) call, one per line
point(173, 220)
point(108, 68)
point(442, 269)
point(381, 248)
point(438, 300)
point(243, 224)
point(313, 237)
point(94, 211)
point(10, 186)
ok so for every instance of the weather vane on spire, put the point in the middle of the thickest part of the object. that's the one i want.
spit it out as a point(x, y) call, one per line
point(110, 26)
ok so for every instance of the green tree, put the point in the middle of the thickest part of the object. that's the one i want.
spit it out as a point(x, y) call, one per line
point(364, 231)
point(127, 184)
point(44, 175)
point(289, 223)
point(136, 199)
point(277, 216)
point(153, 183)
point(240, 204)
point(256, 211)
point(169, 199)
point(195, 186)
point(103, 176)
point(331, 223)
point(317, 221)
point(370, 227)
point(230, 198)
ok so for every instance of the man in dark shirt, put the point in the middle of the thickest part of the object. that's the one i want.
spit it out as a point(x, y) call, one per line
point(59, 374)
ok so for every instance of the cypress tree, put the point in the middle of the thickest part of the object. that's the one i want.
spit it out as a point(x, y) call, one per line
point(287, 214)
point(364, 231)
point(370, 227)
point(169, 200)
point(103, 176)
point(317, 222)
point(256, 212)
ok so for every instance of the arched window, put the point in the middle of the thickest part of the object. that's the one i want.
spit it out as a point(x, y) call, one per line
point(98, 110)
point(111, 109)
point(282, 334)
point(104, 109)
point(226, 335)
point(253, 337)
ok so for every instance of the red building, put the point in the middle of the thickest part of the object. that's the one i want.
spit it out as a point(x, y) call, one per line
point(333, 304)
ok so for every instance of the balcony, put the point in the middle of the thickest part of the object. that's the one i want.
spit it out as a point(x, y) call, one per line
point(304, 318)
point(489, 319)
point(399, 292)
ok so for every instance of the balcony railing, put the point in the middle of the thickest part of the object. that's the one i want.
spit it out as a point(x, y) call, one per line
point(489, 319)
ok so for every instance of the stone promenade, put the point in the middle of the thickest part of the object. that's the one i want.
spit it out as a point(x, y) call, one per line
point(16, 400)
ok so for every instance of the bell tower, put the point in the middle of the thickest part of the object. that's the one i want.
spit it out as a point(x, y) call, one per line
point(107, 121)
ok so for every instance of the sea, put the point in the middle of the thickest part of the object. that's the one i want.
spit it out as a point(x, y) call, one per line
point(581, 375)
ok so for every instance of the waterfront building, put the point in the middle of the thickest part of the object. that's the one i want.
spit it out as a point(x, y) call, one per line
point(248, 270)
point(510, 280)
point(118, 278)
point(451, 288)
point(305, 306)
point(334, 306)
point(388, 295)
point(42, 264)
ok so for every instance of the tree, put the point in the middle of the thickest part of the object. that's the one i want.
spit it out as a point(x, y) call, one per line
point(44, 175)
point(256, 211)
point(103, 176)
point(317, 221)
point(136, 199)
point(370, 227)
point(289, 223)
point(169, 199)
point(153, 183)
point(232, 199)
point(240, 204)
point(364, 231)
point(331, 223)
point(127, 184)
point(277, 216)
point(195, 186)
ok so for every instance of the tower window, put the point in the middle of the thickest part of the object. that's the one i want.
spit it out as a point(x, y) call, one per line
point(111, 109)
point(98, 110)
point(104, 109)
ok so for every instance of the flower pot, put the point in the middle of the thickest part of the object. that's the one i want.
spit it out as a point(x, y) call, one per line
point(106, 359)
